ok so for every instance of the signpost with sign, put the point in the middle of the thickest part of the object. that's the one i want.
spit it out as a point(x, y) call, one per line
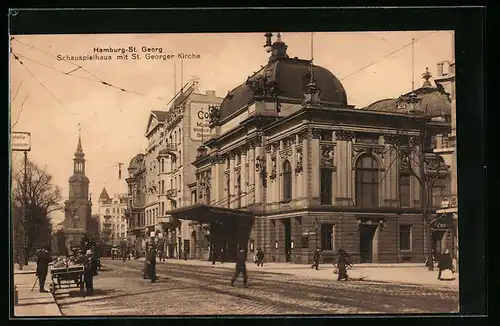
point(21, 142)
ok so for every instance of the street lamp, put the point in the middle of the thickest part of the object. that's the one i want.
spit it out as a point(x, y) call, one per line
point(276, 244)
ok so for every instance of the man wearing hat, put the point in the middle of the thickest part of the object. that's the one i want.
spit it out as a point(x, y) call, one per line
point(42, 267)
point(240, 267)
point(90, 270)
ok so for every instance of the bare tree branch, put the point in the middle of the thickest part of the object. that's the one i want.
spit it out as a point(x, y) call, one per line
point(20, 111)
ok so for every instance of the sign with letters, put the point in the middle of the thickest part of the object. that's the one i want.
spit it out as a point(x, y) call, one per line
point(199, 118)
point(442, 223)
point(20, 141)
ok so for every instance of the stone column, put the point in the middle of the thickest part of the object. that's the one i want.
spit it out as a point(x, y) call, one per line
point(295, 179)
point(270, 183)
point(243, 178)
point(215, 180)
point(304, 177)
point(251, 197)
point(343, 183)
point(257, 178)
point(232, 202)
point(315, 167)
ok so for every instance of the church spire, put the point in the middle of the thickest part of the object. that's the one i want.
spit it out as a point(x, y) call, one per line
point(79, 147)
point(79, 161)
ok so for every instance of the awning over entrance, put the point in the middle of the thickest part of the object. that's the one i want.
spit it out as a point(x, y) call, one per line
point(210, 214)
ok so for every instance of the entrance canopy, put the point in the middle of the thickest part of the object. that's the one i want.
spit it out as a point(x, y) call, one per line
point(210, 214)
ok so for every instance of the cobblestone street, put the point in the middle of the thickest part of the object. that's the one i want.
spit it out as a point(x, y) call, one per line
point(202, 290)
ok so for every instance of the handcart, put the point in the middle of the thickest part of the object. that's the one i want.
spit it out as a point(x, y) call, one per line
point(67, 277)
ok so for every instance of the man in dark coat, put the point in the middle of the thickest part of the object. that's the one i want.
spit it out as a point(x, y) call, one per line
point(42, 267)
point(213, 253)
point(260, 257)
point(151, 263)
point(90, 271)
point(316, 259)
point(445, 262)
point(241, 267)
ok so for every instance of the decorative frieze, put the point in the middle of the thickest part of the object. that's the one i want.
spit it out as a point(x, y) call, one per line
point(316, 133)
point(345, 135)
point(286, 154)
point(302, 135)
point(327, 156)
point(255, 142)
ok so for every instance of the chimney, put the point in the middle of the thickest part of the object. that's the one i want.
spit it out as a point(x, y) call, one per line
point(210, 93)
point(440, 69)
point(446, 68)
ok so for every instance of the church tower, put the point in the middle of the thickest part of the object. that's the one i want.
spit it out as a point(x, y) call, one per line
point(78, 206)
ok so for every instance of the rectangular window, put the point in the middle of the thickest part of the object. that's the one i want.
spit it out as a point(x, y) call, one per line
point(193, 197)
point(438, 194)
point(405, 237)
point(404, 190)
point(327, 236)
point(326, 186)
point(304, 241)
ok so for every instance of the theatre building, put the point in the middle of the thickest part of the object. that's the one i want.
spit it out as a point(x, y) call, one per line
point(291, 166)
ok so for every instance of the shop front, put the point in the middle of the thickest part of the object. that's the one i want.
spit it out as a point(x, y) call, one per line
point(228, 229)
point(443, 235)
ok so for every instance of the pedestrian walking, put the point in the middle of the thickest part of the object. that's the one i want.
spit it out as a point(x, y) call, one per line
point(151, 264)
point(342, 263)
point(240, 267)
point(260, 257)
point(316, 259)
point(90, 271)
point(42, 266)
point(214, 255)
point(446, 264)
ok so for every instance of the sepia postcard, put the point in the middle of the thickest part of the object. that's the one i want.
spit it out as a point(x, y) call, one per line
point(278, 173)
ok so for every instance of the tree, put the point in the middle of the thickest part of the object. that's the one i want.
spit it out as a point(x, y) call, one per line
point(427, 168)
point(42, 198)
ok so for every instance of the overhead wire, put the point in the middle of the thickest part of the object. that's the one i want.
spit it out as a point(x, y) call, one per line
point(387, 55)
point(96, 78)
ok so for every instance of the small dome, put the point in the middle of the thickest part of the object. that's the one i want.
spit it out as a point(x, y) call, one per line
point(136, 162)
point(290, 78)
point(434, 101)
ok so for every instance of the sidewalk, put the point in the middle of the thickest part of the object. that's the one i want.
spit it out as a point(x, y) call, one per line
point(33, 303)
point(412, 274)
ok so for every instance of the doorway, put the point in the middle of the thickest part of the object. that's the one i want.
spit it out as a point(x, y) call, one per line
point(194, 242)
point(288, 239)
point(366, 234)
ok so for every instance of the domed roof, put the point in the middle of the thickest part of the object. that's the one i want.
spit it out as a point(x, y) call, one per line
point(433, 100)
point(136, 162)
point(290, 78)
point(78, 177)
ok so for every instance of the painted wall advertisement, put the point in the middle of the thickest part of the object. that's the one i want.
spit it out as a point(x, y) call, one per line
point(199, 120)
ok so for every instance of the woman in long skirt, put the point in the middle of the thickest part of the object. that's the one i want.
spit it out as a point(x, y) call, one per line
point(342, 263)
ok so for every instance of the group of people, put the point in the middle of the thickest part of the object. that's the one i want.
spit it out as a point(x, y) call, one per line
point(340, 268)
point(89, 259)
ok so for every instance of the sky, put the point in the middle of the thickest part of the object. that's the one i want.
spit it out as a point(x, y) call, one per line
point(55, 102)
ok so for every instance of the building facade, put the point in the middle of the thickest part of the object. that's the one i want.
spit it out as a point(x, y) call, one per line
point(78, 206)
point(291, 166)
point(447, 149)
point(113, 224)
point(165, 170)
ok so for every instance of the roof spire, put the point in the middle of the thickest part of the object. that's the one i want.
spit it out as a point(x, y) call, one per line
point(278, 48)
point(312, 94)
point(79, 147)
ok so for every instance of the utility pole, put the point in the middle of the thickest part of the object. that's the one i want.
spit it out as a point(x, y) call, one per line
point(24, 234)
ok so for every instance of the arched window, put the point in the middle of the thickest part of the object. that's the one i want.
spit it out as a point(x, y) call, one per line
point(162, 165)
point(287, 181)
point(367, 181)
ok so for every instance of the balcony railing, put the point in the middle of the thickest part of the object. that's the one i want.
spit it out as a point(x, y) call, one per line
point(171, 193)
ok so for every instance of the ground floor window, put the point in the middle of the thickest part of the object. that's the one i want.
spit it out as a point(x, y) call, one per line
point(405, 237)
point(327, 236)
point(304, 241)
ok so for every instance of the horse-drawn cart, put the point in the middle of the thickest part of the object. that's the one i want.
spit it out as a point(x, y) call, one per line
point(67, 277)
